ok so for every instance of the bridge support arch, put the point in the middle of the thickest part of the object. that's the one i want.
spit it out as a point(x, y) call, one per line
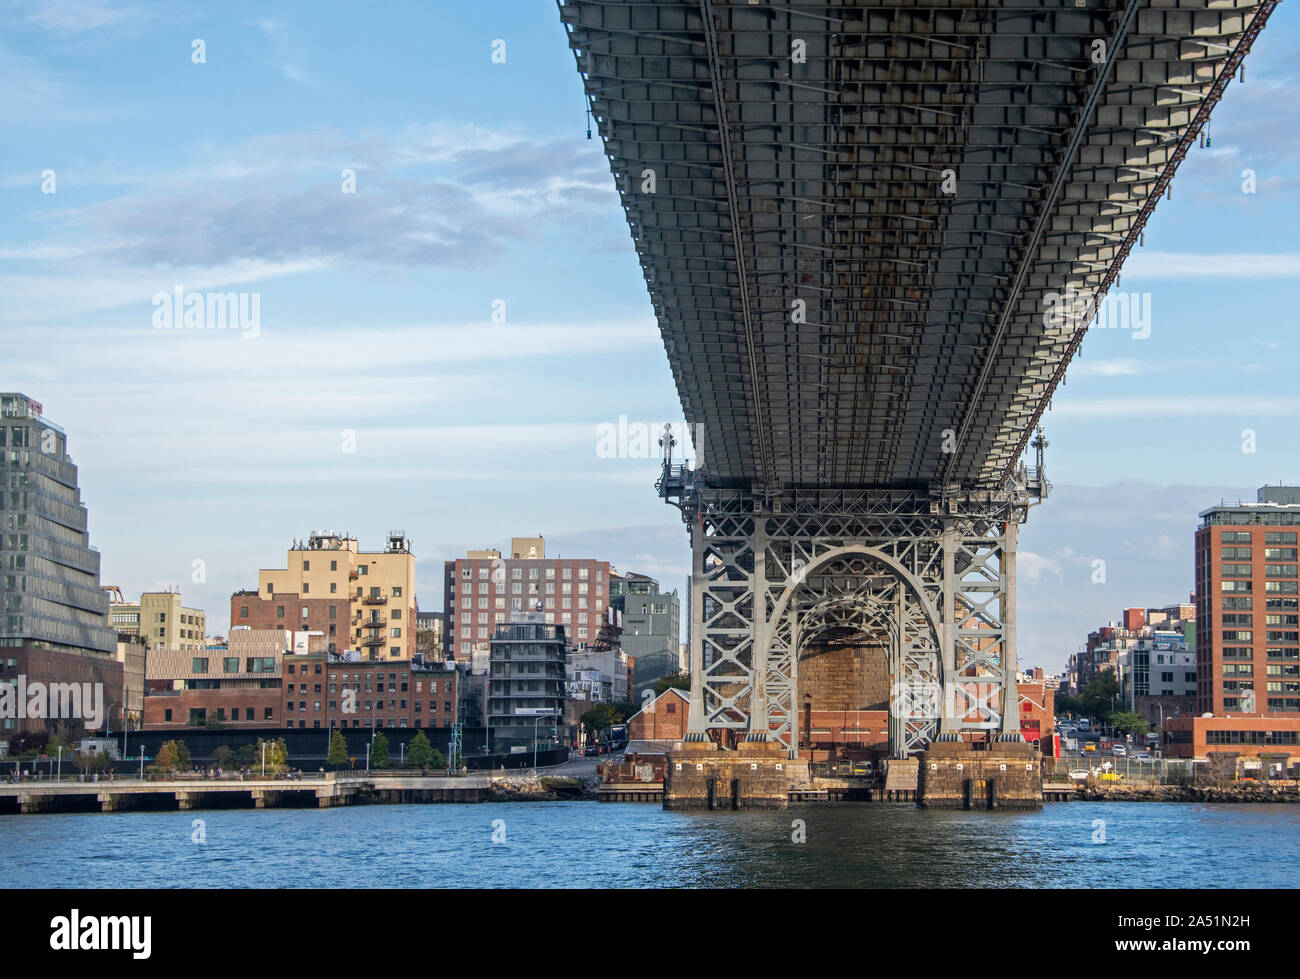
point(936, 576)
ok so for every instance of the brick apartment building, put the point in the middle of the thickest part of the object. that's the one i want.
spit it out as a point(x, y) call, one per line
point(325, 692)
point(362, 600)
point(1248, 606)
point(236, 684)
point(270, 678)
point(484, 590)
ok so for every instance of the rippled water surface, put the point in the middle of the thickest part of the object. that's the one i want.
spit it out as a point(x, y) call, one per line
point(588, 844)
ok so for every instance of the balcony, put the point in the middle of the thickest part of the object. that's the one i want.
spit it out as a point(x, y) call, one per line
point(374, 600)
point(374, 640)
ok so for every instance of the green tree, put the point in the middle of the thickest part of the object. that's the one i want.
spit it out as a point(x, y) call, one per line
point(379, 752)
point(421, 753)
point(222, 756)
point(338, 753)
point(172, 755)
point(680, 681)
point(1128, 722)
point(624, 709)
point(277, 755)
point(246, 757)
point(1099, 697)
point(100, 762)
point(600, 717)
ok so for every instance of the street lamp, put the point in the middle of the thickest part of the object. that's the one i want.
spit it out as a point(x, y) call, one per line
point(538, 713)
point(263, 759)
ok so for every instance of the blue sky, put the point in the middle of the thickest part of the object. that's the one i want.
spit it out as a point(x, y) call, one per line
point(475, 183)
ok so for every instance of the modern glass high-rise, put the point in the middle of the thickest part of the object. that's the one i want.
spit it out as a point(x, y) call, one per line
point(49, 574)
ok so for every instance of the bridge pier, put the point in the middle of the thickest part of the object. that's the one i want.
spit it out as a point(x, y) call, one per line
point(953, 775)
point(756, 775)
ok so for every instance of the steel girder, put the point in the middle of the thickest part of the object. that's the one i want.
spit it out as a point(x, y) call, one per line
point(933, 584)
point(770, 156)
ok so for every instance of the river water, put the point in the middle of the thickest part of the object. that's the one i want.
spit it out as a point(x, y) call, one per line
point(589, 844)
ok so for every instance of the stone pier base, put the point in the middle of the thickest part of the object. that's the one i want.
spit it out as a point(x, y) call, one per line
point(756, 775)
point(953, 775)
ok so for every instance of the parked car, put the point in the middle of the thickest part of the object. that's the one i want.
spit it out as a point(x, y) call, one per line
point(1143, 756)
point(1079, 774)
point(1119, 751)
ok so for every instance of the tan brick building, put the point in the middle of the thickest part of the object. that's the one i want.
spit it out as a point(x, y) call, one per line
point(161, 620)
point(361, 600)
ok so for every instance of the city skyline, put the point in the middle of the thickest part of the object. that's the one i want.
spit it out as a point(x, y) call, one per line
point(235, 447)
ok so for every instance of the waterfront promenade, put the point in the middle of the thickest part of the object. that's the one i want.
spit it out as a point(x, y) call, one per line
point(319, 791)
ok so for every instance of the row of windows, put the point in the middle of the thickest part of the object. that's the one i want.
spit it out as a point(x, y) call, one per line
point(1271, 669)
point(1246, 602)
point(1270, 587)
point(1270, 570)
point(1252, 737)
point(380, 721)
point(566, 588)
point(199, 715)
point(369, 705)
point(485, 573)
point(1247, 652)
point(374, 592)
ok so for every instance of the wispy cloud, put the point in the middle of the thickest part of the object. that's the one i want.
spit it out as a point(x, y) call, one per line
point(287, 53)
point(82, 16)
point(1139, 407)
point(1180, 265)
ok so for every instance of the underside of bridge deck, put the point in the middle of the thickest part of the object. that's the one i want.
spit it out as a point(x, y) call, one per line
point(874, 235)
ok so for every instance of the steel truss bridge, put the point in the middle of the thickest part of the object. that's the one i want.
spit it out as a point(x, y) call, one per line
point(857, 221)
